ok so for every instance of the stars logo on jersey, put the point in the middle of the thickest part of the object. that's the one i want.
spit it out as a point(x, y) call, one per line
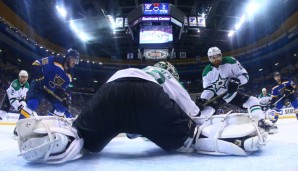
point(219, 83)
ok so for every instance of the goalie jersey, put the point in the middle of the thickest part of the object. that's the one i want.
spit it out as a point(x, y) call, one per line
point(54, 73)
point(169, 84)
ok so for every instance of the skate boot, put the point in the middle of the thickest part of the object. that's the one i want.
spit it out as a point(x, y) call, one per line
point(15, 131)
point(268, 127)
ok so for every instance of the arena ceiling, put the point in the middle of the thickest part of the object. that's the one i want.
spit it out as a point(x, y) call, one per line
point(91, 15)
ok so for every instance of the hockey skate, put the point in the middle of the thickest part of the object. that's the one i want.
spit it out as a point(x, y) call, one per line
point(15, 131)
point(268, 127)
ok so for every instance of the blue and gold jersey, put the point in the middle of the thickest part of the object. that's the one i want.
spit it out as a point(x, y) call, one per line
point(54, 73)
point(285, 85)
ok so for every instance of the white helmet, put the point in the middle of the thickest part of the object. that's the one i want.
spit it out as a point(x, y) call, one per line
point(23, 73)
point(212, 52)
point(264, 89)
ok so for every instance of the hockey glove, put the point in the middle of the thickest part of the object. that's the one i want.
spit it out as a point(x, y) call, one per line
point(20, 107)
point(233, 85)
point(64, 97)
point(288, 92)
point(199, 102)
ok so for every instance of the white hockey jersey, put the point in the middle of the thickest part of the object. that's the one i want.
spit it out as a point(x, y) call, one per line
point(215, 80)
point(164, 78)
point(264, 100)
point(16, 93)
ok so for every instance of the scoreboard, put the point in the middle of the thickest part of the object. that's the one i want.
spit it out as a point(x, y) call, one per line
point(156, 9)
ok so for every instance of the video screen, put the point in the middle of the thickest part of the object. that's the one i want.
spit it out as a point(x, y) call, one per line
point(156, 8)
point(156, 34)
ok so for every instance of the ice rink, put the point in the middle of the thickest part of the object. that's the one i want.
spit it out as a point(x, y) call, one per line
point(280, 154)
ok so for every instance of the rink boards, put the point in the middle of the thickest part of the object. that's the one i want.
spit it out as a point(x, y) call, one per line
point(12, 118)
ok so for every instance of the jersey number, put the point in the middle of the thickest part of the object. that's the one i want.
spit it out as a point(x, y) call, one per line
point(157, 75)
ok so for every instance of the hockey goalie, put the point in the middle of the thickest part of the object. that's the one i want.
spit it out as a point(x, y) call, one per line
point(149, 102)
point(50, 139)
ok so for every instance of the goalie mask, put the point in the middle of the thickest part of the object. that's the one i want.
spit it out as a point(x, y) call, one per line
point(48, 139)
point(169, 67)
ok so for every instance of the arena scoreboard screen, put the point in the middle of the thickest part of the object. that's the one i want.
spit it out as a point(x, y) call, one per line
point(156, 9)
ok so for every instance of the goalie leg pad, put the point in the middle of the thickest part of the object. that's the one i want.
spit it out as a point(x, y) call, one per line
point(36, 148)
point(48, 139)
point(230, 134)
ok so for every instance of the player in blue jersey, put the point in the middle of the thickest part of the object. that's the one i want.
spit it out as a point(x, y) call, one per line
point(51, 76)
point(283, 89)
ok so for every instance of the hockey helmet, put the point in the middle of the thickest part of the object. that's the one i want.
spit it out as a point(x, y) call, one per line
point(23, 73)
point(71, 53)
point(264, 90)
point(276, 73)
point(213, 52)
point(169, 67)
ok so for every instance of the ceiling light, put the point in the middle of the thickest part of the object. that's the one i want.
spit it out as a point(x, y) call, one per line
point(237, 26)
point(252, 7)
point(231, 33)
point(83, 36)
point(62, 12)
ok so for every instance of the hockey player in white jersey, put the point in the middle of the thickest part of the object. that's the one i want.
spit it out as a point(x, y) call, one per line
point(15, 94)
point(265, 101)
point(145, 102)
point(222, 77)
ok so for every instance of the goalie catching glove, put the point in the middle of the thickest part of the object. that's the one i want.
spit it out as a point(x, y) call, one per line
point(48, 139)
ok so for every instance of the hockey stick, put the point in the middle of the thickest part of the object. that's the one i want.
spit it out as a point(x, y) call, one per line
point(274, 104)
point(53, 94)
point(215, 98)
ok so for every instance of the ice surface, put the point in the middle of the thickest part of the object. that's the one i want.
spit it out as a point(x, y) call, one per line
point(122, 154)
